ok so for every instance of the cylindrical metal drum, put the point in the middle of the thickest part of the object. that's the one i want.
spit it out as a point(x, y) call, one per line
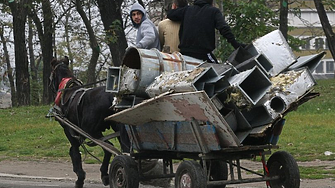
point(148, 64)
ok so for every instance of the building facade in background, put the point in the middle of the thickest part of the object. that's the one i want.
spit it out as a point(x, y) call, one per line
point(307, 26)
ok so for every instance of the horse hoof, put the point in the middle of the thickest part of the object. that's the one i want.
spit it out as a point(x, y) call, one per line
point(105, 180)
point(79, 184)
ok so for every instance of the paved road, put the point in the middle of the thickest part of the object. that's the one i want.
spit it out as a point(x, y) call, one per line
point(37, 174)
point(17, 181)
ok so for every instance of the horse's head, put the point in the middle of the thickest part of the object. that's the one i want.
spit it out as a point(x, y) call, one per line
point(60, 70)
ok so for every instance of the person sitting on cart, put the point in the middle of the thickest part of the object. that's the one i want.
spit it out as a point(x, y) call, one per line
point(147, 34)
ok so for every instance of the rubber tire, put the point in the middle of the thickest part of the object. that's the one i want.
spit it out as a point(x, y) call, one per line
point(219, 171)
point(123, 173)
point(283, 164)
point(192, 170)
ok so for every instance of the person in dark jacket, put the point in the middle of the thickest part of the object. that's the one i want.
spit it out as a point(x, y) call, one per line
point(197, 32)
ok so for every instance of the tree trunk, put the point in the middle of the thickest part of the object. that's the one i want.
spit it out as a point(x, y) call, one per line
point(19, 13)
point(9, 68)
point(47, 50)
point(93, 43)
point(283, 22)
point(45, 34)
point(327, 28)
point(33, 69)
point(111, 17)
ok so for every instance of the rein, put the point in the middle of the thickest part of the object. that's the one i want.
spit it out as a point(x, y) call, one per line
point(82, 86)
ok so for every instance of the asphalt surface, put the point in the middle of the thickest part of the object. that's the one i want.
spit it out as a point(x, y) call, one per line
point(37, 174)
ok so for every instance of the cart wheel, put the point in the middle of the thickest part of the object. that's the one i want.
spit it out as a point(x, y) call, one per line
point(123, 173)
point(282, 164)
point(219, 171)
point(190, 174)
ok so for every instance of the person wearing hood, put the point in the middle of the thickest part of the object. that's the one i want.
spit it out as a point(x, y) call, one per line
point(147, 34)
point(198, 24)
point(169, 30)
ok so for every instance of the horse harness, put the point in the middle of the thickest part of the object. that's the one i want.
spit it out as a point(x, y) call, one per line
point(66, 84)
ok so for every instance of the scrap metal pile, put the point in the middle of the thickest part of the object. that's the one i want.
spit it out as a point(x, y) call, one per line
point(241, 101)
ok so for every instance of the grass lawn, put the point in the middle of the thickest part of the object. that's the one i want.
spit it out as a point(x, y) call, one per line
point(308, 133)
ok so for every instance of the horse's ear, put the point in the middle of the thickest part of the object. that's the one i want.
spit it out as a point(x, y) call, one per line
point(53, 62)
point(66, 60)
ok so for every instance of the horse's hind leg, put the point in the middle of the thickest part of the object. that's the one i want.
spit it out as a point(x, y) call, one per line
point(104, 168)
point(76, 161)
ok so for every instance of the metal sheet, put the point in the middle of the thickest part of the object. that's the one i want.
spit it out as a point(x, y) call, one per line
point(293, 84)
point(182, 81)
point(179, 107)
point(275, 48)
point(311, 61)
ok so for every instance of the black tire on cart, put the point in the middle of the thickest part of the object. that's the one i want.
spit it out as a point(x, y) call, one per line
point(283, 164)
point(123, 173)
point(218, 171)
point(190, 174)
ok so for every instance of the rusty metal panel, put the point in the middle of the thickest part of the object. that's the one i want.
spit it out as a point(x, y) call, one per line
point(183, 81)
point(173, 136)
point(179, 107)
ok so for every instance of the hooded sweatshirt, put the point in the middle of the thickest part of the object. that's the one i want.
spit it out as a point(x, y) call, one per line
point(147, 34)
point(199, 21)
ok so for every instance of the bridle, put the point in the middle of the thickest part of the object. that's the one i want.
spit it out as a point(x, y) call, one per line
point(51, 78)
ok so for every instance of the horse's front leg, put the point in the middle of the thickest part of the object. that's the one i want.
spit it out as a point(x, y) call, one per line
point(104, 168)
point(76, 160)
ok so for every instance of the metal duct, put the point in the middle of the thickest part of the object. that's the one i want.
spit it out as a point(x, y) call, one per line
point(113, 79)
point(260, 60)
point(293, 84)
point(310, 61)
point(252, 83)
point(275, 48)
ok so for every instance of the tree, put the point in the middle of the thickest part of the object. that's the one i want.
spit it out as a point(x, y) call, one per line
point(283, 26)
point(111, 17)
point(45, 31)
point(9, 67)
point(327, 28)
point(93, 44)
point(35, 96)
point(19, 13)
point(248, 20)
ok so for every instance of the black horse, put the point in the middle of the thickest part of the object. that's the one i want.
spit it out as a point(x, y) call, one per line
point(87, 109)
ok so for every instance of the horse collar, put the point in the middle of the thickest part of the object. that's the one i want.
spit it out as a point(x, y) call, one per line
point(61, 86)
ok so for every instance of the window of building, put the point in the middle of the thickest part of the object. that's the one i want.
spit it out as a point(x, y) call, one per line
point(319, 68)
point(307, 45)
point(319, 43)
point(329, 66)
